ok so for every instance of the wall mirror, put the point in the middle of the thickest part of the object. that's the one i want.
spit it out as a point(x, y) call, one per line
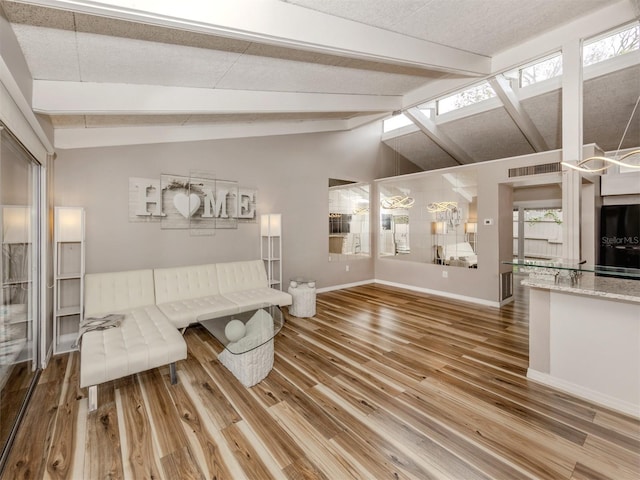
point(430, 218)
point(349, 220)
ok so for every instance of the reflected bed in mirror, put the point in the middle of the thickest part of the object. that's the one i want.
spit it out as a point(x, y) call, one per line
point(349, 220)
point(430, 218)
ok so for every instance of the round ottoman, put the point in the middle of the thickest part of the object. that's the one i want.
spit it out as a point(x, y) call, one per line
point(303, 293)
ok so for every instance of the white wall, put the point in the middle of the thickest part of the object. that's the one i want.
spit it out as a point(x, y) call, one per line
point(495, 202)
point(291, 176)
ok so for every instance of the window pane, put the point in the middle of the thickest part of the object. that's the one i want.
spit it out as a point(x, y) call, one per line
point(616, 44)
point(544, 70)
point(467, 97)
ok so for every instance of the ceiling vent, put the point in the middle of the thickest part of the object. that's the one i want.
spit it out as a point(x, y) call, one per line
point(535, 169)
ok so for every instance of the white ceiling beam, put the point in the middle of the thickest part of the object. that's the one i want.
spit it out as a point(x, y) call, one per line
point(86, 98)
point(514, 108)
point(70, 138)
point(431, 130)
point(361, 120)
point(282, 24)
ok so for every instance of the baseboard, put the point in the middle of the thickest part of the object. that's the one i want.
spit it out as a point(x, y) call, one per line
point(453, 296)
point(608, 401)
point(344, 285)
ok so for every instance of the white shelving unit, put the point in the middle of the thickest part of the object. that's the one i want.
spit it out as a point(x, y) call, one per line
point(271, 247)
point(68, 287)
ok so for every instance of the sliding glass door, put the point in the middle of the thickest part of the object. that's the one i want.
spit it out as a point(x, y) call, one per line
point(19, 272)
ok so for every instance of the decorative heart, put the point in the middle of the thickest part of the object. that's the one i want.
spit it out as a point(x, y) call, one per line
point(186, 205)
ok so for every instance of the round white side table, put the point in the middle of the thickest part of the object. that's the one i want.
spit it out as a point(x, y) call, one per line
point(303, 292)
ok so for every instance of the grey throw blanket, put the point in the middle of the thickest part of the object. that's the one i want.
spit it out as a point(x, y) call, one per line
point(97, 323)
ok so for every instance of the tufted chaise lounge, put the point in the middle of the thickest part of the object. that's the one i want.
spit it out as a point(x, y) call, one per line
point(145, 339)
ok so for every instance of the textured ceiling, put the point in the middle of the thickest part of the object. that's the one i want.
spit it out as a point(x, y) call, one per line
point(482, 26)
point(65, 46)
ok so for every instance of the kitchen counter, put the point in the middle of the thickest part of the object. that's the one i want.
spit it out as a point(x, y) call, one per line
point(615, 288)
point(585, 338)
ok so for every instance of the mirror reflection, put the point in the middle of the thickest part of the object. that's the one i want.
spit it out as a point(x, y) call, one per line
point(430, 218)
point(349, 229)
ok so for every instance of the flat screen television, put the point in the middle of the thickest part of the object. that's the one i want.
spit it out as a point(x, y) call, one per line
point(620, 236)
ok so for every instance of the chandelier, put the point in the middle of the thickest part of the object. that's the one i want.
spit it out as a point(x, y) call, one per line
point(604, 162)
point(436, 207)
point(397, 201)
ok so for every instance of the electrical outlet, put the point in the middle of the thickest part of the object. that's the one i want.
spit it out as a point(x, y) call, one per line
point(346, 268)
point(445, 274)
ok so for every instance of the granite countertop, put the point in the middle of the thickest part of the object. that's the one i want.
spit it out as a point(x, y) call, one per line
point(589, 284)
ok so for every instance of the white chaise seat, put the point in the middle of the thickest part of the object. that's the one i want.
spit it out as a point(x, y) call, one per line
point(246, 285)
point(185, 294)
point(145, 339)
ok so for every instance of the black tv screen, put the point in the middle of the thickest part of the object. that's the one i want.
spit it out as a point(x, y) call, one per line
point(620, 236)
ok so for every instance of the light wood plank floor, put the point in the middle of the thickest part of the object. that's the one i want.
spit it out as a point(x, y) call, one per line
point(381, 383)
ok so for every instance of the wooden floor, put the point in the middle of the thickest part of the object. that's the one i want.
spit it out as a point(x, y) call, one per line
point(381, 383)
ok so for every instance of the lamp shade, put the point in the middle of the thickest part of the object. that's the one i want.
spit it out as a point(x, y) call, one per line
point(16, 224)
point(271, 225)
point(440, 228)
point(69, 224)
point(471, 227)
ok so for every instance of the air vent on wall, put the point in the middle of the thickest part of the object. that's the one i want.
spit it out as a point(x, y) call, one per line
point(535, 169)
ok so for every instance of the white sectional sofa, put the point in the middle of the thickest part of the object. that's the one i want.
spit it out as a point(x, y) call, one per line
point(155, 304)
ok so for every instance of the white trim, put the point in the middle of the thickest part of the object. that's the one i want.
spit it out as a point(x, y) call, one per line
point(608, 401)
point(45, 267)
point(345, 285)
point(454, 296)
point(16, 113)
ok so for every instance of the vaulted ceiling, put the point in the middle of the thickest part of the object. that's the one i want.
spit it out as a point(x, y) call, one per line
point(143, 71)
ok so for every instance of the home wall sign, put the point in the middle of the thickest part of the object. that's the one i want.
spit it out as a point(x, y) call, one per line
point(198, 202)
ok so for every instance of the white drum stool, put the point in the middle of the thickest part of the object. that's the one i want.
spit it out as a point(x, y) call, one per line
point(304, 298)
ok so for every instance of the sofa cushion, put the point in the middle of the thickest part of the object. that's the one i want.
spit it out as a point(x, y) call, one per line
point(257, 297)
point(184, 283)
point(144, 340)
point(110, 292)
point(237, 276)
point(182, 313)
